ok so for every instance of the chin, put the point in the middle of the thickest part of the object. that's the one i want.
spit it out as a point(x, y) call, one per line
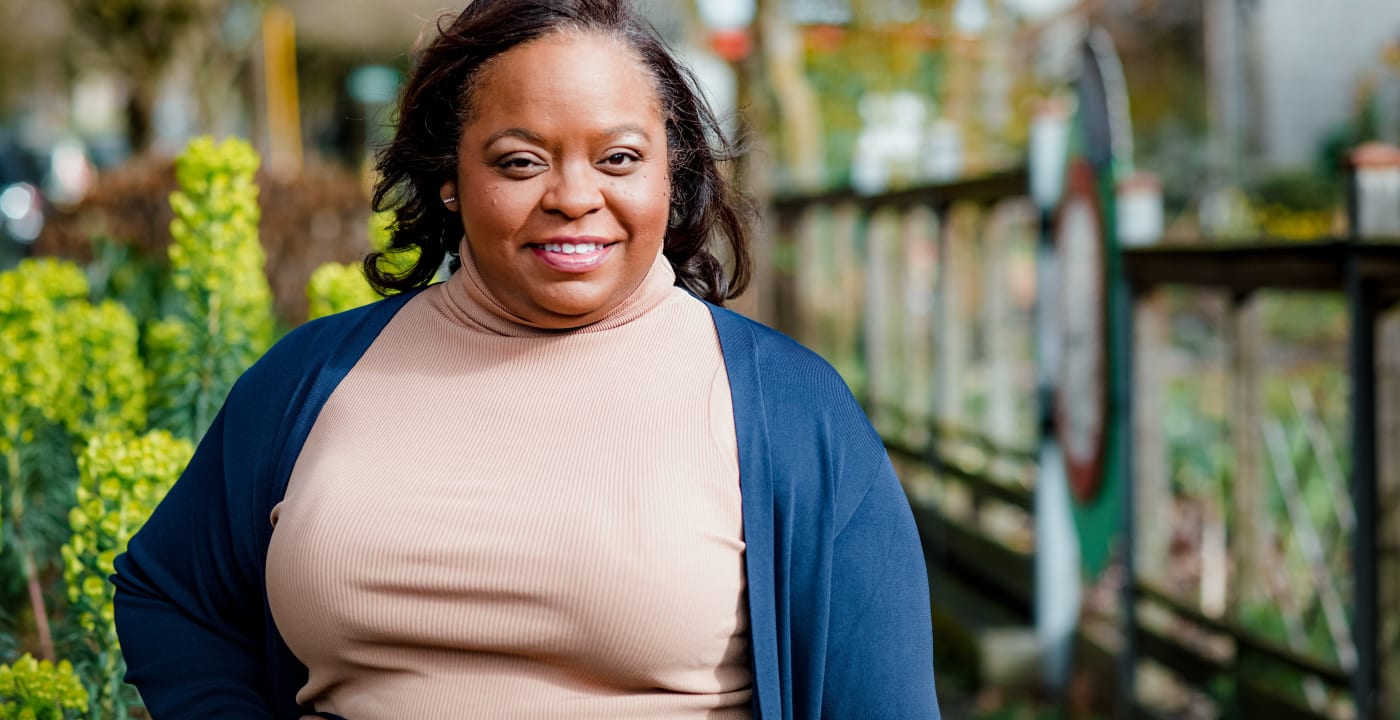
point(573, 311)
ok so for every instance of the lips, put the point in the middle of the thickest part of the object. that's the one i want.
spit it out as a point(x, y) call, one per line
point(572, 256)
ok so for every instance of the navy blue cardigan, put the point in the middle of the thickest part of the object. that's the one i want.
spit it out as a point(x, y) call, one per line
point(838, 595)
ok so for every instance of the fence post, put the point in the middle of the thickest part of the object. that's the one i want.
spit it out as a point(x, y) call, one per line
point(1389, 504)
point(883, 382)
point(1123, 319)
point(810, 282)
point(1150, 478)
point(1139, 210)
point(919, 302)
point(1244, 342)
point(998, 325)
point(849, 308)
point(1373, 191)
point(955, 331)
point(1362, 359)
point(1373, 208)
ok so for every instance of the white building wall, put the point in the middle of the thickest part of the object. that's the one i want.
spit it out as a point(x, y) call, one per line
point(1310, 58)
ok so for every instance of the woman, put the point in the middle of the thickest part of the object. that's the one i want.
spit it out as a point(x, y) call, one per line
point(562, 484)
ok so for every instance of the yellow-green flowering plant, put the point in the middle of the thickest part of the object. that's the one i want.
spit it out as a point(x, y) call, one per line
point(39, 690)
point(122, 478)
point(223, 305)
point(33, 374)
point(66, 361)
point(336, 288)
point(104, 389)
point(67, 369)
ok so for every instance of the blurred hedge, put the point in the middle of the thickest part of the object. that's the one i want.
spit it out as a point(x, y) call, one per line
point(318, 216)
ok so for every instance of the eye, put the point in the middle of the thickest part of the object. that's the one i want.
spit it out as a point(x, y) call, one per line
point(620, 160)
point(520, 166)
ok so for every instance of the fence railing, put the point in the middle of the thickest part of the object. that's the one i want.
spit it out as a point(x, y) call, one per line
point(1291, 528)
point(924, 299)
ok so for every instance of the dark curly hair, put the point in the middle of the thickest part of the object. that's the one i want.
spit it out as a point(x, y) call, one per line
point(436, 102)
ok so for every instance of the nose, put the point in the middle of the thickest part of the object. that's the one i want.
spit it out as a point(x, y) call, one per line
point(574, 190)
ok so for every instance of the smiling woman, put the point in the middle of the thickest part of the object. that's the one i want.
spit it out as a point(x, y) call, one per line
point(563, 177)
point(442, 99)
point(565, 482)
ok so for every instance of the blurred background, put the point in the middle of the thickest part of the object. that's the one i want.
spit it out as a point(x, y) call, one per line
point(1115, 279)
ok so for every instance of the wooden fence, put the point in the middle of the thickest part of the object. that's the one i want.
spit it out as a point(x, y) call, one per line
point(924, 299)
point(1325, 658)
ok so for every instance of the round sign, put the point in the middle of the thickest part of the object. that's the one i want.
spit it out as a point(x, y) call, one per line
point(1081, 397)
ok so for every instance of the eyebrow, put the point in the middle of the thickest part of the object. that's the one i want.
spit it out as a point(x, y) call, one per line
point(521, 133)
point(535, 138)
point(626, 129)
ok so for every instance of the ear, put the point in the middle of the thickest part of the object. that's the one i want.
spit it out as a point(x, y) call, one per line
point(448, 194)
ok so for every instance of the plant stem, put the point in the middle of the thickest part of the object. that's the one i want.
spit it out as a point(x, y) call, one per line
point(109, 703)
point(12, 473)
point(36, 600)
point(31, 568)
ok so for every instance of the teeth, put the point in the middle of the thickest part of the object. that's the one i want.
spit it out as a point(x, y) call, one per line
point(572, 248)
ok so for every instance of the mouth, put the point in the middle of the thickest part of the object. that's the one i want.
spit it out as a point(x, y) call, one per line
point(577, 256)
point(579, 248)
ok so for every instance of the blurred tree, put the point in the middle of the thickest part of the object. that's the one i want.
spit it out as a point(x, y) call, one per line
point(141, 39)
point(846, 63)
point(790, 110)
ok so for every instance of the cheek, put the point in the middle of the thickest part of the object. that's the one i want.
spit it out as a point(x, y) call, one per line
point(649, 201)
point(498, 208)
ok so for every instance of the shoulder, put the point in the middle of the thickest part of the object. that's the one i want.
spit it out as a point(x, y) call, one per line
point(333, 342)
point(792, 402)
point(779, 363)
point(272, 407)
point(327, 333)
point(797, 398)
point(793, 381)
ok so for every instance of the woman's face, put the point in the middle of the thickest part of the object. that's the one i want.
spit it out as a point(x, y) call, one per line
point(562, 178)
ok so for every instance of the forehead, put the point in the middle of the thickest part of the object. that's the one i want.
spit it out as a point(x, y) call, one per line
point(569, 75)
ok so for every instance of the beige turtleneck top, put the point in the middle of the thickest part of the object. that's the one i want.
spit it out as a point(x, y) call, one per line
point(490, 520)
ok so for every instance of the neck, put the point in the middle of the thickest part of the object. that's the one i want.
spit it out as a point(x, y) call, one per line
point(473, 303)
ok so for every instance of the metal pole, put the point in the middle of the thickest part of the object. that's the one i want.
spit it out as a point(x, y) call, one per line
point(1123, 334)
point(1373, 181)
point(1057, 589)
point(1365, 626)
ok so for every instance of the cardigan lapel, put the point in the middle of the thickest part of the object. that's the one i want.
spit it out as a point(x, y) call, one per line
point(739, 347)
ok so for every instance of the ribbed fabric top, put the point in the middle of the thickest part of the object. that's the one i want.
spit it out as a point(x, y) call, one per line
point(498, 521)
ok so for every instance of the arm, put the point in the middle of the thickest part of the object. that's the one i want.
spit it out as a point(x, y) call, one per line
point(189, 600)
point(191, 607)
point(880, 640)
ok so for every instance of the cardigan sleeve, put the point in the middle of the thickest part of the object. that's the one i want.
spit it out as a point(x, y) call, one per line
point(189, 601)
point(880, 641)
point(838, 590)
point(191, 606)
